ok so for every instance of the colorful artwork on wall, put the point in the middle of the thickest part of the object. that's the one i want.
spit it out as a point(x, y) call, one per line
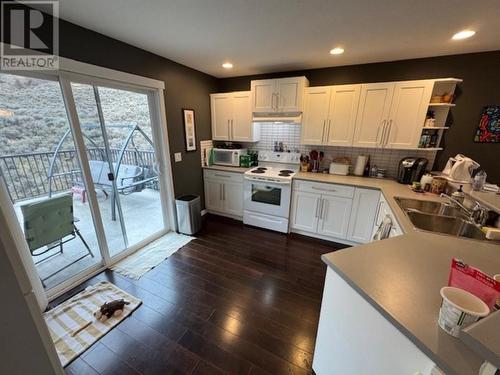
point(488, 130)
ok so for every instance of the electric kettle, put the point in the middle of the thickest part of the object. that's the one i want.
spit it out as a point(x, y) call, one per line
point(459, 169)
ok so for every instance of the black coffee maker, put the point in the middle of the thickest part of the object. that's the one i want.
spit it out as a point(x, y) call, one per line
point(411, 169)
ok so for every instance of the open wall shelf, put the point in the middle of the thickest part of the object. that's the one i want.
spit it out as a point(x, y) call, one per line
point(442, 105)
point(440, 113)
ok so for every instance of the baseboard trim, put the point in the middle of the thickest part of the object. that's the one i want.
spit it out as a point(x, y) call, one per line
point(239, 218)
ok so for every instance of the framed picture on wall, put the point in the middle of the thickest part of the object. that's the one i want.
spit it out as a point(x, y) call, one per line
point(488, 130)
point(189, 129)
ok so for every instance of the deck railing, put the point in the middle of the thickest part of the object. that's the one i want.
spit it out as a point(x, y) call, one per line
point(26, 175)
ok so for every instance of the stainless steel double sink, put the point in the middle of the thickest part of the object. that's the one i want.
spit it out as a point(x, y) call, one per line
point(439, 217)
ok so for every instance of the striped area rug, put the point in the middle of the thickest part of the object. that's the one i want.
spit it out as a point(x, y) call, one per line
point(143, 260)
point(69, 325)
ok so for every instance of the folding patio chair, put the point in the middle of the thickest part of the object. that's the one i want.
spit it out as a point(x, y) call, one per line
point(48, 224)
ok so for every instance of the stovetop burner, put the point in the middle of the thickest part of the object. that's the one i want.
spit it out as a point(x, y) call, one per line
point(258, 171)
point(262, 168)
point(285, 173)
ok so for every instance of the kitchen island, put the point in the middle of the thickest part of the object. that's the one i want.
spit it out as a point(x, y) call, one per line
point(390, 289)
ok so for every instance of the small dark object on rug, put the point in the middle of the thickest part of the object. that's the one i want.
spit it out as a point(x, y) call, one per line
point(109, 309)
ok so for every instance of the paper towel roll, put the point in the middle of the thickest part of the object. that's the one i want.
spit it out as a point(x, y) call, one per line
point(360, 165)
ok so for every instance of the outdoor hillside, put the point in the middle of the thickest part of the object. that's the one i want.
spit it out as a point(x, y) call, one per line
point(33, 116)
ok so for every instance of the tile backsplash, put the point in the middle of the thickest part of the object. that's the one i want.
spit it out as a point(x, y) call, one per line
point(289, 134)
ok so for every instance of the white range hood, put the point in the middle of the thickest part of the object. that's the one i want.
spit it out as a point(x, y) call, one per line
point(279, 119)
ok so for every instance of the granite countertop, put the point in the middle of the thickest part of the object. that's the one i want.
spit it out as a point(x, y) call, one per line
point(227, 169)
point(401, 276)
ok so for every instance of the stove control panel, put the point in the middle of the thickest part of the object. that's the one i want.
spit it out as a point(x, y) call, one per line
point(280, 157)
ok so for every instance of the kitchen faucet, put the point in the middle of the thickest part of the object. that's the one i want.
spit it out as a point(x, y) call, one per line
point(477, 215)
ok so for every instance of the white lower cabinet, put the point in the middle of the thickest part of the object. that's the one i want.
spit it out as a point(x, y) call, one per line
point(232, 195)
point(321, 210)
point(384, 212)
point(364, 210)
point(334, 216)
point(334, 212)
point(305, 211)
point(213, 195)
point(224, 193)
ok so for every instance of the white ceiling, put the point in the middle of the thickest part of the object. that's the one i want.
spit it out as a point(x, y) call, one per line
point(261, 36)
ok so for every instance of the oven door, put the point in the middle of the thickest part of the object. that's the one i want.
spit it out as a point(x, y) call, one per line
point(226, 157)
point(272, 198)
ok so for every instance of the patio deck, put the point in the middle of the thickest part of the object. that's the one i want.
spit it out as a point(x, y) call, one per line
point(143, 216)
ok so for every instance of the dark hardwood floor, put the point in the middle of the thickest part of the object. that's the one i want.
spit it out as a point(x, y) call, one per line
point(236, 300)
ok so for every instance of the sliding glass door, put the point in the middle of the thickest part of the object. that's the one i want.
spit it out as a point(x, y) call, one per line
point(83, 151)
point(42, 183)
point(118, 136)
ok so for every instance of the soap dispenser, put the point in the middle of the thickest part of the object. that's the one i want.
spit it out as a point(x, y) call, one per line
point(459, 195)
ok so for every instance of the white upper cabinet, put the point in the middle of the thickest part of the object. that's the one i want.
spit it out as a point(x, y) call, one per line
point(232, 117)
point(241, 127)
point(263, 96)
point(290, 94)
point(330, 115)
point(408, 110)
point(278, 96)
point(317, 100)
point(344, 100)
point(222, 108)
point(373, 112)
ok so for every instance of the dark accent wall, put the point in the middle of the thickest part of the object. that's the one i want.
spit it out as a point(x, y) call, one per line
point(184, 88)
point(481, 86)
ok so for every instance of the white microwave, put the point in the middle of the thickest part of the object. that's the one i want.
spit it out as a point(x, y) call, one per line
point(229, 157)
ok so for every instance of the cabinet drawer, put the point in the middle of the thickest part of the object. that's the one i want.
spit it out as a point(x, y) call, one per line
point(325, 189)
point(223, 175)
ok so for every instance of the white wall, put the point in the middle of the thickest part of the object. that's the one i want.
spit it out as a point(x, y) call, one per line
point(24, 351)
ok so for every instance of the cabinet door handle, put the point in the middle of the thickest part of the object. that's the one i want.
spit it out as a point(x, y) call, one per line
point(323, 132)
point(228, 129)
point(381, 143)
point(322, 215)
point(389, 128)
point(328, 131)
point(232, 129)
point(220, 192)
point(273, 106)
point(386, 128)
point(277, 101)
point(222, 175)
point(223, 192)
point(320, 205)
point(318, 201)
point(378, 131)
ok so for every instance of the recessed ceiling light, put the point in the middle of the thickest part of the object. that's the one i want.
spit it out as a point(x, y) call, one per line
point(227, 65)
point(337, 51)
point(464, 34)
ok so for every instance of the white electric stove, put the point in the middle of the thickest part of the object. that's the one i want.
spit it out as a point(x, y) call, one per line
point(267, 190)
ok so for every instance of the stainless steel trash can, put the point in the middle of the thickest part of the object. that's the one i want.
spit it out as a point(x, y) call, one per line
point(188, 213)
